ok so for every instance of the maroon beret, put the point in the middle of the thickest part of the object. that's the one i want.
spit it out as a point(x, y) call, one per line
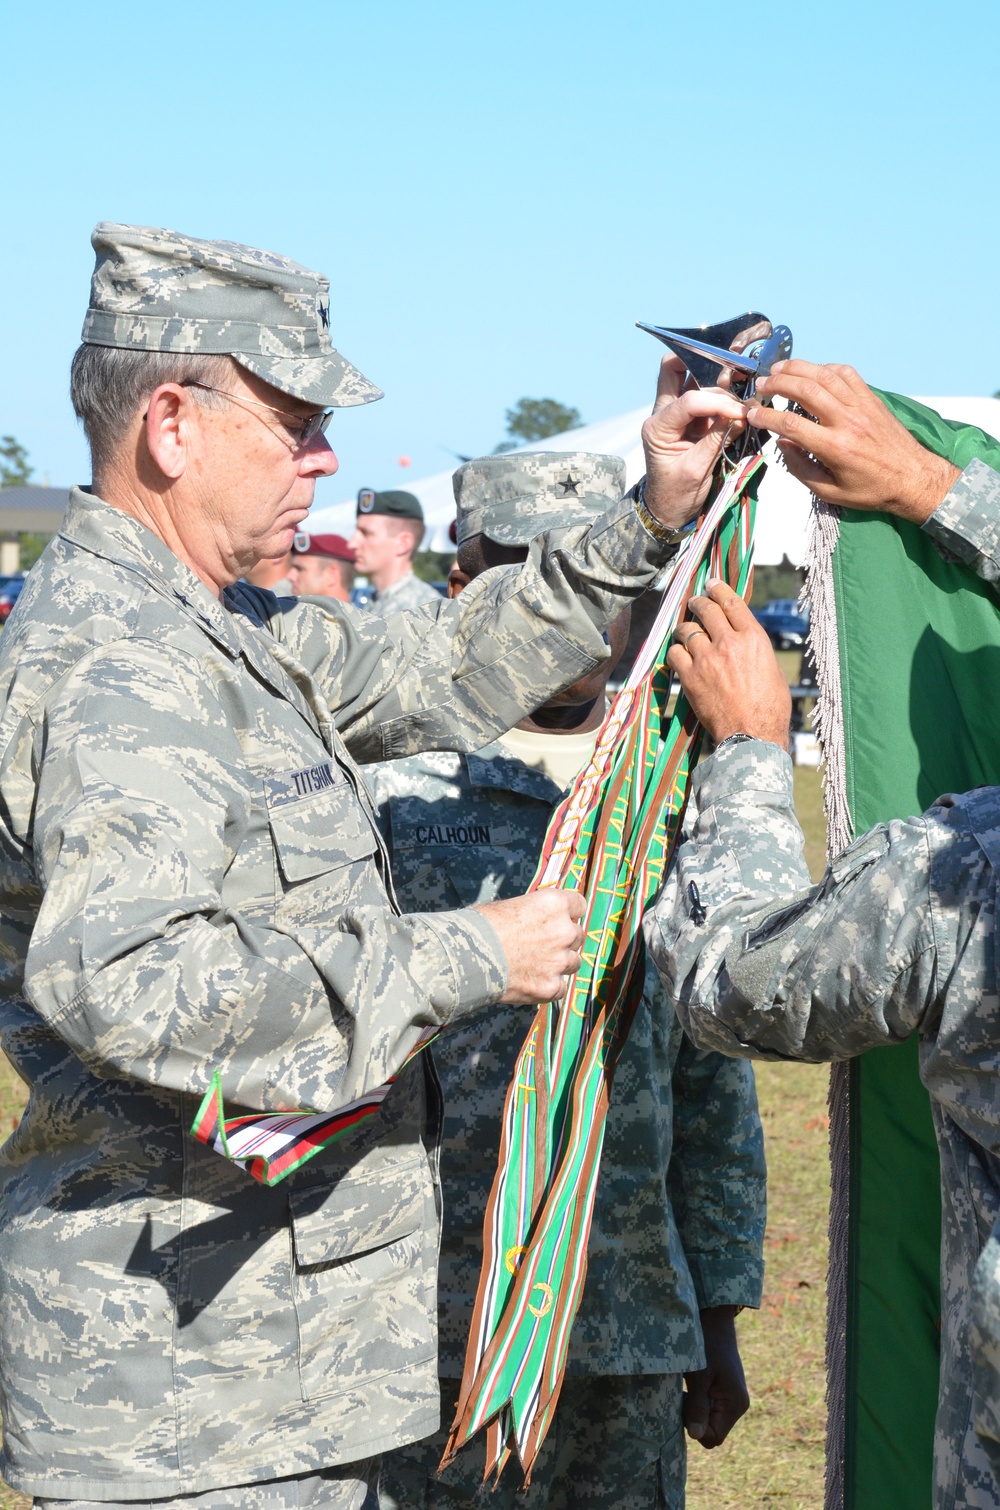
point(334, 546)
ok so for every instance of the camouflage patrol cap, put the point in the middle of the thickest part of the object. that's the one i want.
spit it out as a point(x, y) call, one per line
point(511, 499)
point(156, 290)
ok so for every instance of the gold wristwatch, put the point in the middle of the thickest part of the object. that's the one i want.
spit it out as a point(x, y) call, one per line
point(661, 532)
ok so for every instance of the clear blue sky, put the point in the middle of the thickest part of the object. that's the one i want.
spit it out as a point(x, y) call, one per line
point(498, 191)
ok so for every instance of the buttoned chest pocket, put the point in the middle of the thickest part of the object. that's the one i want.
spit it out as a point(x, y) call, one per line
point(453, 854)
point(323, 839)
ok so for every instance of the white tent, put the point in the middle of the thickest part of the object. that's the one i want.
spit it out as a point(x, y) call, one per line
point(783, 509)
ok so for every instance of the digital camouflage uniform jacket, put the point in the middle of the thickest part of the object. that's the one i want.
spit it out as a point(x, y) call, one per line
point(679, 1220)
point(899, 937)
point(985, 1345)
point(408, 592)
point(193, 880)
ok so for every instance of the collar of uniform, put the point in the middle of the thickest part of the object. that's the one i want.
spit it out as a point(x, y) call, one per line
point(493, 767)
point(115, 535)
point(380, 595)
point(272, 660)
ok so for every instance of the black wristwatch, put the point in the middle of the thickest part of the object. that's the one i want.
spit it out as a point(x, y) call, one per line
point(732, 739)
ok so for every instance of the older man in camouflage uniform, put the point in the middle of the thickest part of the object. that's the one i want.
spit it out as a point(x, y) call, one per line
point(193, 882)
point(898, 938)
point(679, 1221)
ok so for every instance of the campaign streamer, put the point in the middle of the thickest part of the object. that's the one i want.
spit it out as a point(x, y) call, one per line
point(611, 837)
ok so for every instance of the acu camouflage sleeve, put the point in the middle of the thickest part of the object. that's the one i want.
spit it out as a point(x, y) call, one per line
point(454, 675)
point(144, 802)
point(757, 961)
point(717, 1177)
point(985, 1329)
point(967, 521)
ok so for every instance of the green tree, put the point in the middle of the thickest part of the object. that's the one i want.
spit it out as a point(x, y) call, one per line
point(14, 468)
point(536, 419)
point(433, 566)
point(32, 545)
point(14, 473)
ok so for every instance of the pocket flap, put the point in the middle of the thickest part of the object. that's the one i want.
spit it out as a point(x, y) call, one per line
point(857, 856)
point(319, 831)
point(360, 1213)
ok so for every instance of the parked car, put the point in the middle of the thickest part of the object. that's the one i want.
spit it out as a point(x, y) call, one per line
point(10, 590)
point(786, 625)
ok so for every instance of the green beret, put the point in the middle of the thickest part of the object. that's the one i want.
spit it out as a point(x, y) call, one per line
point(513, 498)
point(155, 290)
point(394, 501)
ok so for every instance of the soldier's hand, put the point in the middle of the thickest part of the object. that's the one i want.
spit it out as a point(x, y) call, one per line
point(716, 1396)
point(542, 939)
point(859, 454)
point(682, 439)
point(724, 661)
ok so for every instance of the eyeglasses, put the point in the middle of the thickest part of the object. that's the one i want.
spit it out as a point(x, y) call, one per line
point(301, 429)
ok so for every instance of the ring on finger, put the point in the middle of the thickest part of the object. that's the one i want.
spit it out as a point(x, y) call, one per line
point(690, 637)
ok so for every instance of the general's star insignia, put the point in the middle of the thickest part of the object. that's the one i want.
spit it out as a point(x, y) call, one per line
point(324, 316)
point(569, 484)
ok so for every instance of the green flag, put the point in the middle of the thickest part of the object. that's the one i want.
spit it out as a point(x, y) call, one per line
point(916, 713)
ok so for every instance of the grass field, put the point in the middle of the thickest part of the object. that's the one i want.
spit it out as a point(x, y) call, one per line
point(774, 1458)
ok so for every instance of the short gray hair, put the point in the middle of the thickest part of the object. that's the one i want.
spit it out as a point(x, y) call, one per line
point(109, 384)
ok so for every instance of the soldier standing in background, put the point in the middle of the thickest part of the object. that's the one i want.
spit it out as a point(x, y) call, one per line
point(387, 535)
point(676, 1244)
point(193, 883)
point(322, 566)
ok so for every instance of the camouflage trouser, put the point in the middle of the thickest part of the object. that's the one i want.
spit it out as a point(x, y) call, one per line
point(616, 1443)
point(343, 1488)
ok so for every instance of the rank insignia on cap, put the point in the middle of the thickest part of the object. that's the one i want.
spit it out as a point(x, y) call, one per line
point(511, 497)
point(366, 500)
point(155, 289)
